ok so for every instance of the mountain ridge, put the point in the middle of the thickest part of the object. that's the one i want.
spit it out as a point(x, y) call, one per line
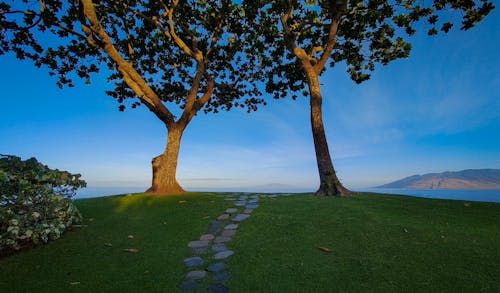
point(464, 179)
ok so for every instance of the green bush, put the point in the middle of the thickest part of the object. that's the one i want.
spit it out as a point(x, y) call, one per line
point(35, 202)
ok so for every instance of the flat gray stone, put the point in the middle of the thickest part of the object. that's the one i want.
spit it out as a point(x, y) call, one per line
point(223, 217)
point(240, 217)
point(193, 261)
point(214, 227)
point(231, 211)
point(218, 288)
point(189, 285)
point(252, 206)
point(231, 227)
point(240, 203)
point(219, 247)
point(216, 267)
point(207, 237)
point(222, 239)
point(228, 233)
point(196, 275)
point(221, 277)
point(223, 254)
point(200, 250)
point(248, 211)
point(198, 243)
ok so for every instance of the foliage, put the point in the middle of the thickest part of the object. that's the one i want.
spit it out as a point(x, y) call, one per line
point(363, 33)
point(161, 227)
point(276, 249)
point(147, 48)
point(35, 202)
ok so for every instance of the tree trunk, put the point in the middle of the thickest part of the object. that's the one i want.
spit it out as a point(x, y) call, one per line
point(329, 183)
point(165, 165)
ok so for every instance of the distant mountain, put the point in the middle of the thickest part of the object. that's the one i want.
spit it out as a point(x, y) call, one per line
point(466, 179)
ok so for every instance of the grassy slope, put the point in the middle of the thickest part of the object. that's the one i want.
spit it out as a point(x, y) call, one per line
point(161, 227)
point(447, 246)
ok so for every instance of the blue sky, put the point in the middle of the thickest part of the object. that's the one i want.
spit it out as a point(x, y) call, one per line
point(437, 111)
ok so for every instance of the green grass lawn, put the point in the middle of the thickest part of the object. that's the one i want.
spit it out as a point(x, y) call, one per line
point(379, 243)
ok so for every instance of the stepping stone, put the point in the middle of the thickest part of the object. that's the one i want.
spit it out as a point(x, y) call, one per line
point(222, 239)
point(207, 237)
point(189, 285)
point(218, 288)
point(219, 247)
point(228, 233)
point(199, 250)
point(231, 211)
point(216, 267)
point(223, 217)
point(198, 243)
point(196, 275)
point(240, 217)
point(252, 206)
point(248, 211)
point(214, 228)
point(193, 261)
point(231, 227)
point(223, 254)
point(240, 203)
point(221, 277)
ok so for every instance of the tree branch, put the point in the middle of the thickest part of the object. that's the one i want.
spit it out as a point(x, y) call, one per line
point(215, 35)
point(196, 54)
point(332, 35)
point(131, 77)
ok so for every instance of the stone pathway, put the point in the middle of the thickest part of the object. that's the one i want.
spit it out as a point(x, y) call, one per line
point(210, 251)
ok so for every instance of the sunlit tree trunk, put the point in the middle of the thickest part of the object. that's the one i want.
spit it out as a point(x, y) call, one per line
point(165, 165)
point(329, 183)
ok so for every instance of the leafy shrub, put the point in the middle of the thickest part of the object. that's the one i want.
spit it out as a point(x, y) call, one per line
point(35, 202)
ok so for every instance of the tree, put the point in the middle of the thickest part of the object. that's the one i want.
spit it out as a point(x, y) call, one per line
point(183, 55)
point(306, 37)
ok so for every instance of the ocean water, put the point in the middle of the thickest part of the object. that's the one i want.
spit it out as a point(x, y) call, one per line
point(455, 194)
point(458, 194)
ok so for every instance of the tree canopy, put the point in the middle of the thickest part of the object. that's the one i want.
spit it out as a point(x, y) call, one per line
point(157, 51)
point(303, 37)
point(357, 34)
point(174, 57)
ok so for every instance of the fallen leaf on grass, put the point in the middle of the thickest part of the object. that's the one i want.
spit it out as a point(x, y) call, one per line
point(130, 236)
point(133, 250)
point(404, 229)
point(183, 201)
point(206, 217)
point(108, 244)
point(74, 283)
point(326, 249)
